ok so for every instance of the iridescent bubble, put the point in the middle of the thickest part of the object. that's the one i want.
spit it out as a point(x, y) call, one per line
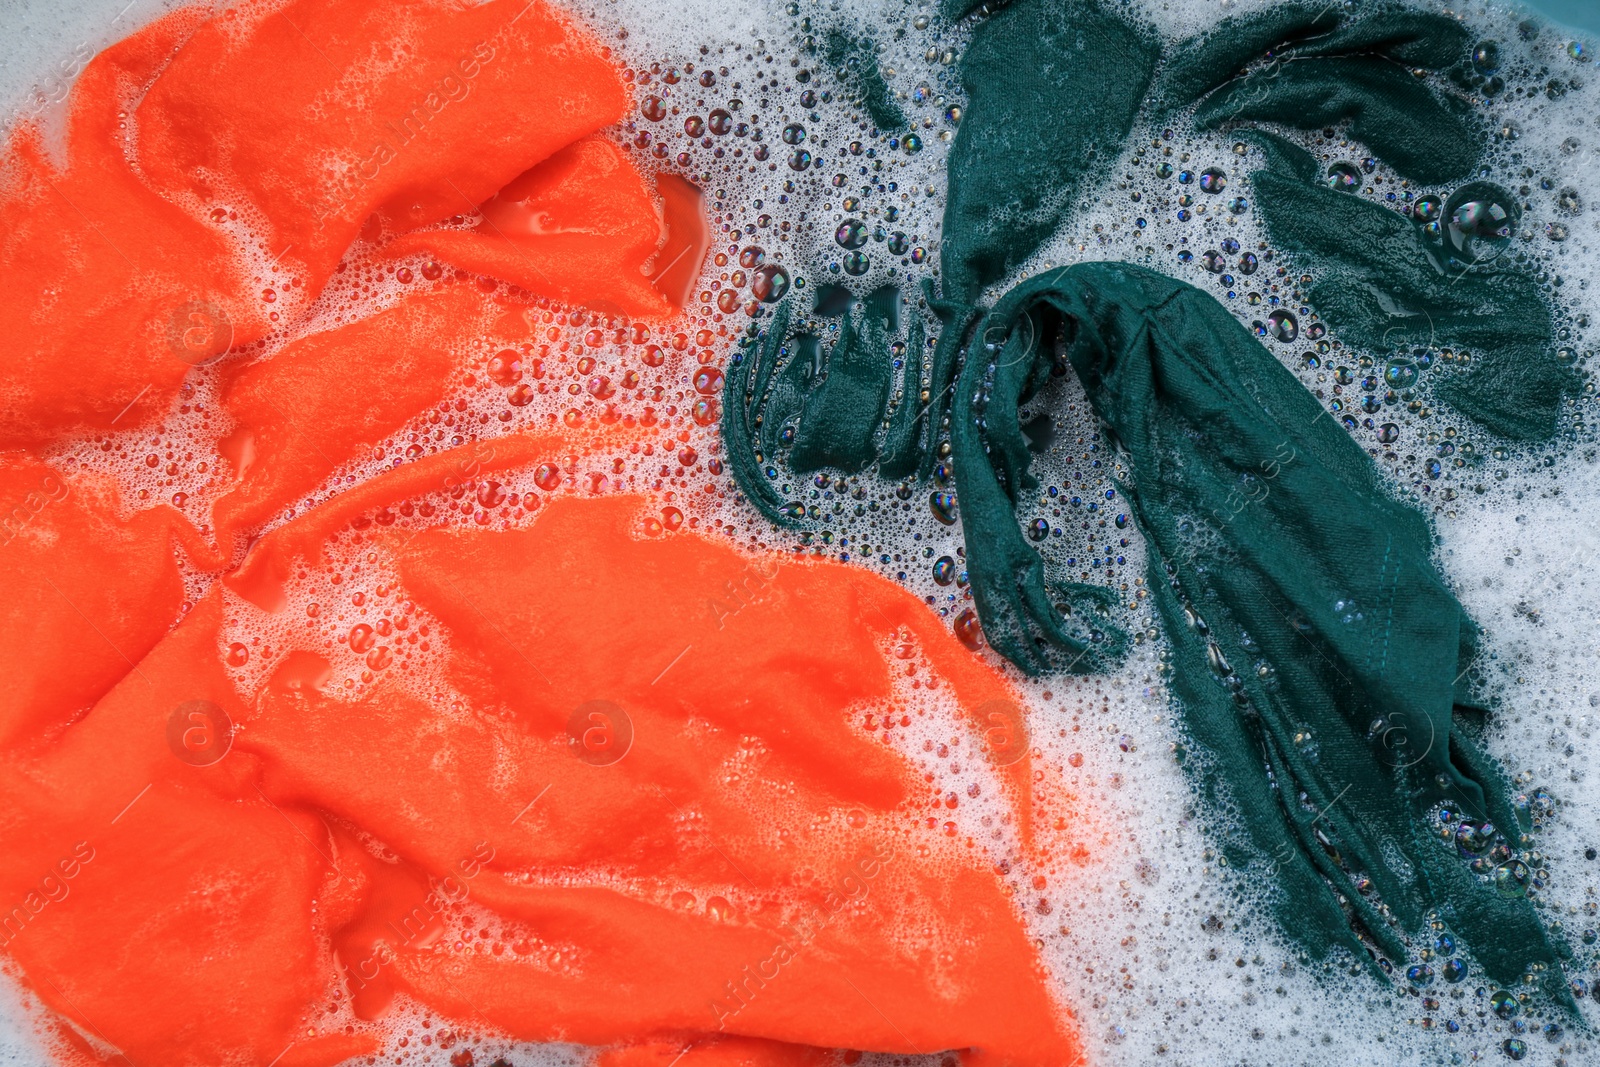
point(1504, 1004)
point(856, 263)
point(1511, 879)
point(1213, 261)
point(794, 133)
point(1486, 57)
point(1346, 177)
point(752, 257)
point(769, 283)
point(944, 570)
point(1248, 264)
point(720, 122)
point(852, 233)
point(799, 159)
point(943, 507)
point(1480, 218)
point(1283, 326)
point(1400, 374)
point(899, 245)
point(1428, 208)
point(1213, 180)
point(1454, 971)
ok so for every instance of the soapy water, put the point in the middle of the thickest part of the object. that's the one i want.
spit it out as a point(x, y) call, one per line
point(1163, 953)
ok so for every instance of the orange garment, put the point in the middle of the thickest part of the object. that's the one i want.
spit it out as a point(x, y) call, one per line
point(201, 152)
point(757, 880)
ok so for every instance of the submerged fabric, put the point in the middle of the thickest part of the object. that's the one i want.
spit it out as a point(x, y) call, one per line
point(1384, 283)
point(1014, 179)
point(1316, 651)
point(114, 237)
point(1324, 67)
point(1052, 91)
point(760, 880)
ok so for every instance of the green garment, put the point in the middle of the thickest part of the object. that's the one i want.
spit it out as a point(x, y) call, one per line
point(1052, 92)
point(1326, 67)
point(1381, 281)
point(1316, 651)
point(854, 59)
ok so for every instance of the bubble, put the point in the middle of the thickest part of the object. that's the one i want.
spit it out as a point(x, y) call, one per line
point(899, 244)
point(752, 256)
point(769, 283)
point(1454, 971)
point(1213, 180)
point(1283, 326)
point(720, 122)
point(967, 629)
point(1400, 374)
point(1248, 264)
point(1481, 218)
point(694, 126)
point(1511, 879)
point(653, 108)
point(1504, 1004)
point(856, 263)
point(794, 133)
point(943, 507)
point(852, 233)
point(911, 143)
point(1213, 261)
point(1486, 57)
point(1428, 208)
point(944, 570)
point(1345, 177)
point(799, 159)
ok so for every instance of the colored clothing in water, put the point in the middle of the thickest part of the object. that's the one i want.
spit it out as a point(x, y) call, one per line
point(217, 851)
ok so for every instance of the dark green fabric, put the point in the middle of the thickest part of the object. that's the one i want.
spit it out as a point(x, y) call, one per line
point(1316, 651)
point(1381, 282)
point(1325, 68)
point(1052, 91)
point(854, 59)
point(825, 406)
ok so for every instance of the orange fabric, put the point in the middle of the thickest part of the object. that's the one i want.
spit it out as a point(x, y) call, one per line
point(87, 593)
point(327, 398)
point(241, 837)
point(320, 113)
point(112, 293)
point(579, 227)
point(201, 151)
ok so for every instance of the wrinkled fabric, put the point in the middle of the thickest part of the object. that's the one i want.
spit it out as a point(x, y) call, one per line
point(223, 848)
point(1316, 651)
point(1382, 281)
point(1052, 91)
point(1323, 67)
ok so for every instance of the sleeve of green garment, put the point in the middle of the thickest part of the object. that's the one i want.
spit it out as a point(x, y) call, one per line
point(1381, 283)
point(1314, 67)
point(1052, 92)
point(1315, 649)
